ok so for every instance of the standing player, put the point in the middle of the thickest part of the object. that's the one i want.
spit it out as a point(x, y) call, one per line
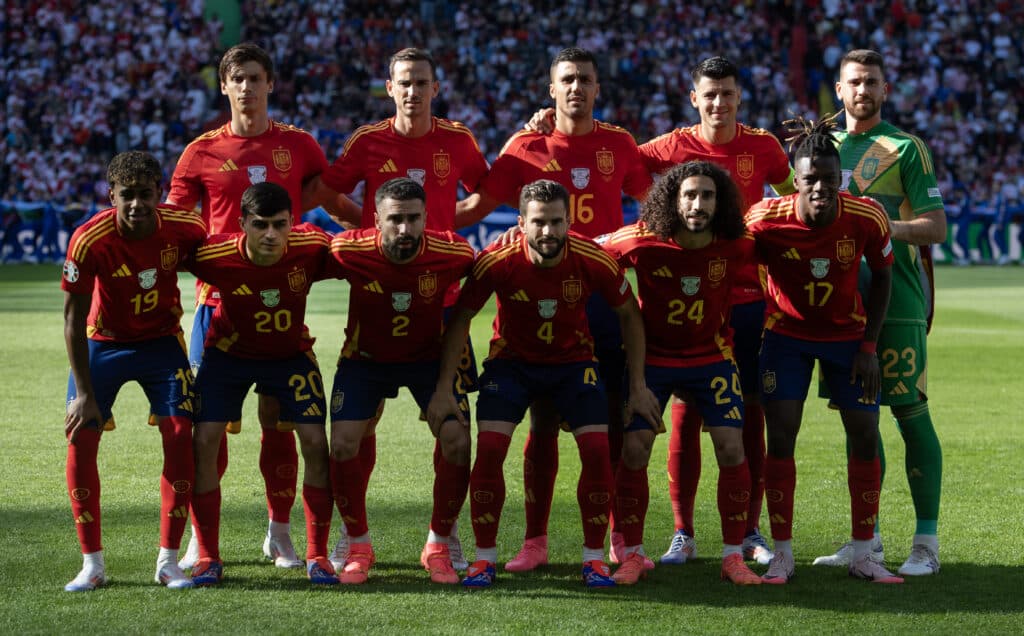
point(398, 273)
point(542, 348)
point(687, 251)
point(754, 159)
point(436, 153)
point(257, 336)
point(895, 168)
point(811, 243)
point(214, 171)
point(121, 322)
point(595, 162)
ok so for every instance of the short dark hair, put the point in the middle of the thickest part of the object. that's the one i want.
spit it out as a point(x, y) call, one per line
point(239, 54)
point(574, 54)
point(867, 57)
point(133, 167)
point(716, 68)
point(400, 189)
point(543, 191)
point(812, 138)
point(265, 199)
point(660, 209)
point(413, 54)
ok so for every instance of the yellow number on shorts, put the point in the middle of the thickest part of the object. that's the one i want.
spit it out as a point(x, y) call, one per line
point(278, 321)
point(312, 381)
point(721, 385)
point(185, 377)
point(678, 308)
point(580, 210)
point(399, 326)
point(142, 304)
point(590, 376)
point(546, 332)
point(890, 359)
point(818, 293)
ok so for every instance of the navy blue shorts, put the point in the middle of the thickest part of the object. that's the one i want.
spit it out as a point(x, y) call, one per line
point(159, 366)
point(360, 385)
point(747, 322)
point(788, 363)
point(224, 380)
point(197, 342)
point(507, 388)
point(715, 388)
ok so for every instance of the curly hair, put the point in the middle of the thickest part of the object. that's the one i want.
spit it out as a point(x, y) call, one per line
point(661, 207)
point(542, 191)
point(134, 167)
point(812, 138)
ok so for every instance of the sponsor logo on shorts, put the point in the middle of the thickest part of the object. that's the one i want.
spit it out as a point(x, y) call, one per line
point(337, 401)
point(768, 381)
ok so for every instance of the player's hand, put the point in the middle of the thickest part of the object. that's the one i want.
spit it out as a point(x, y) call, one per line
point(443, 407)
point(509, 236)
point(543, 121)
point(643, 404)
point(867, 373)
point(82, 410)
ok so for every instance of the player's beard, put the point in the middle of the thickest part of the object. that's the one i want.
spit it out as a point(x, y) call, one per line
point(550, 248)
point(864, 111)
point(398, 252)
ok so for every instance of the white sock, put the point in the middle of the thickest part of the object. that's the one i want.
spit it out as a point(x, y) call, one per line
point(433, 537)
point(784, 546)
point(166, 555)
point(365, 538)
point(487, 554)
point(861, 547)
point(731, 549)
point(593, 554)
point(930, 540)
point(278, 528)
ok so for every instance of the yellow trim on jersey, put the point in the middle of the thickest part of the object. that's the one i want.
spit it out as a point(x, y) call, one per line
point(93, 234)
point(515, 135)
point(489, 259)
point(345, 244)
point(437, 244)
point(308, 238)
point(457, 127)
point(867, 210)
point(594, 253)
point(611, 128)
point(365, 130)
point(216, 250)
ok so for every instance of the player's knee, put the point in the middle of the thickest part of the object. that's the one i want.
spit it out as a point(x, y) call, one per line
point(729, 448)
point(456, 448)
point(344, 449)
point(636, 450)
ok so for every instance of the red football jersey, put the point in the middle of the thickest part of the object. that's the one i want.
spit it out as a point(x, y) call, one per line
point(217, 167)
point(812, 272)
point(542, 314)
point(595, 168)
point(754, 158)
point(438, 161)
point(683, 293)
point(396, 311)
point(134, 283)
point(262, 309)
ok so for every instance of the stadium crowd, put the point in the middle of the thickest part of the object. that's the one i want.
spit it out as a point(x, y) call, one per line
point(82, 82)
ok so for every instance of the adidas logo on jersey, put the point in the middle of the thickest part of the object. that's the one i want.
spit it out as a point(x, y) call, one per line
point(734, 414)
point(122, 272)
point(312, 411)
point(389, 166)
point(227, 166)
point(662, 272)
point(374, 286)
point(242, 291)
point(791, 254)
point(552, 166)
point(521, 295)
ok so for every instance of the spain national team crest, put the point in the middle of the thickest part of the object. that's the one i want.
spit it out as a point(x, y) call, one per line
point(819, 267)
point(442, 165)
point(427, 285)
point(419, 175)
point(580, 177)
point(147, 278)
point(605, 162)
point(846, 250)
point(297, 280)
point(257, 174)
point(400, 301)
point(745, 166)
point(690, 284)
point(169, 258)
point(270, 297)
point(547, 308)
point(768, 381)
point(716, 270)
point(282, 159)
point(869, 168)
point(572, 291)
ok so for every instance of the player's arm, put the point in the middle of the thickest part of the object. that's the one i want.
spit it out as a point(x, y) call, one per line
point(641, 400)
point(84, 408)
point(865, 362)
point(543, 121)
point(925, 229)
point(443, 405)
point(316, 193)
point(785, 186)
point(474, 208)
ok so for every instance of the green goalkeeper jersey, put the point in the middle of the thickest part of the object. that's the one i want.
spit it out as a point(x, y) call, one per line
point(895, 169)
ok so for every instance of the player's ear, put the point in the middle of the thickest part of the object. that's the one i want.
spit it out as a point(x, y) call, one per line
point(110, 193)
point(693, 98)
point(270, 86)
point(388, 86)
point(551, 90)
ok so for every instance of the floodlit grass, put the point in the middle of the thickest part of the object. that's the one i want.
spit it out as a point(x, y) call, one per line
point(975, 386)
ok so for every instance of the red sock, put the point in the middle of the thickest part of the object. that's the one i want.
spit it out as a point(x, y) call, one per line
point(451, 482)
point(632, 497)
point(540, 466)
point(222, 456)
point(176, 479)
point(316, 501)
point(753, 447)
point(487, 486)
point(864, 478)
point(684, 464)
point(206, 508)
point(594, 489)
point(779, 486)
point(279, 463)
point(367, 458)
point(733, 499)
point(84, 488)
point(349, 491)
